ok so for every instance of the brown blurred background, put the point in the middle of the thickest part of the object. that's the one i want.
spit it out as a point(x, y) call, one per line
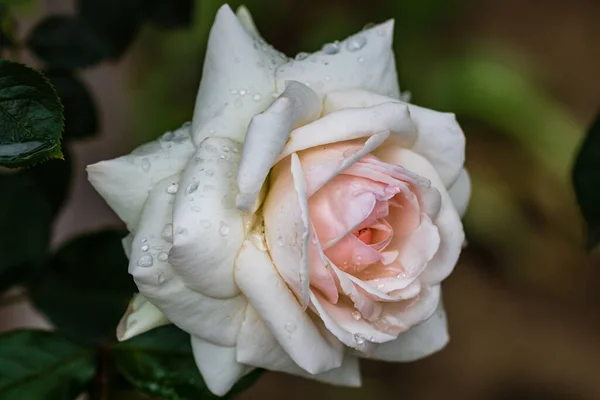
point(523, 78)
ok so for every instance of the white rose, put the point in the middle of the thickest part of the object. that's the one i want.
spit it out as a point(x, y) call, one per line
point(303, 220)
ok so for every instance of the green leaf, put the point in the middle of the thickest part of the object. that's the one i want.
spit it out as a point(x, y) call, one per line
point(85, 290)
point(42, 365)
point(586, 180)
point(7, 28)
point(31, 116)
point(160, 363)
point(168, 13)
point(81, 118)
point(64, 41)
point(25, 218)
point(115, 21)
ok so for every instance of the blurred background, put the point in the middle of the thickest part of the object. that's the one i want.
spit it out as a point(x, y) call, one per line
point(522, 77)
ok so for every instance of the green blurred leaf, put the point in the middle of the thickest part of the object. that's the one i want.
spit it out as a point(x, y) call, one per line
point(168, 13)
point(31, 116)
point(53, 179)
point(81, 118)
point(65, 41)
point(25, 218)
point(160, 363)
point(6, 28)
point(586, 180)
point(42, 365)
point(86, 289)
point(115, 21)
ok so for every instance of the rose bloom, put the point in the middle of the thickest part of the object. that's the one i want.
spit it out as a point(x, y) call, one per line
point(303, 220)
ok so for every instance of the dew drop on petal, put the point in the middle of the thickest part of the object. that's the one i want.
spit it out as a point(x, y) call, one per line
point(145, 248)
point(256, 97)
point(160, 278)
point(359, 339)
point(145, 261)
point(356, 315)
point(145, 164)
point(192, 187)
point(223, 229)
point(144, 240)
point(280, 241)
point(301, 56)
point(331, 48)
point(360, 59)
point(173, 188)
point(356, 43)
point(162, 256)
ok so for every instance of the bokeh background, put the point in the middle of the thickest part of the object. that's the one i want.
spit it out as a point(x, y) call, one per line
point(522, 77)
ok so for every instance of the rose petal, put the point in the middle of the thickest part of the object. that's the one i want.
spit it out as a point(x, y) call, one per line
point(237, 79)
point(295, 331)
point(125, 182)
point(267, 135)
point(245, 18)
point(419, 341)
point(447, 221)
point(460, 192)
point(211, 319)
point(140, 316)
point(127, 243)
point(439, 137)
point(320, 277)
point(218, 365)
point(354, 123)
point(208, 230)
point(371, 67)
point(258, 347)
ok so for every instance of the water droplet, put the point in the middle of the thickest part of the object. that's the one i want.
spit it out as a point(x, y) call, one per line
point(360, 59)
point(331, 48)
point(359, 339)
point(223, 229)
point(235, 150)
point(145, 164)
point(195, 208)
point(226, 149)
point(160, 278)
point(145, 248)
point(144, 240)
point(356, 43)
point(173, 188)
point(205, 223)
point(182, 231)
point(145, 261)
point(222, 157)
point(234, 91)
point(290, 327)
point(301, 56)
point(358, 259)
point(380, 286)
point(162, 256)
point(356, 315)
point(167, 136)
point(192, 187)
point(256, 97)
point(280, 241)
point(368, 26)
point(199, 160)
point(210, 172)
point(186, 125)
point(243, 92)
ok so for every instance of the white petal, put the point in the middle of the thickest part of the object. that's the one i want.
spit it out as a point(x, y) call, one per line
point(418, 342)
point(245, 18)
point(127, 243)
point(125, 182)
point(439, 139)
point(218, 366)
point(447, 221)
point(267, 134)
point(208, 230)
point(460, 192)
point(300, 189)
point(140, 316)
point(237, 79)
point(258, 346)
point(354, 123)
point(371, 67)
point(295, 331)
point(212, 319)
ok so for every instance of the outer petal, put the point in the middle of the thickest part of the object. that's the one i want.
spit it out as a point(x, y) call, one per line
point(258, 346)
point(267, 134)
point(460, 192)
point(125, 182)
point(439, 139)
point(418, 342)
point(364, 60)
point(218, 365)
point(447, 221)
point(212, 319)
point(290, 324)
point(208, 230)
point(245, 18)
point(237, 79)
point(140, 316)
point(354, 123)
